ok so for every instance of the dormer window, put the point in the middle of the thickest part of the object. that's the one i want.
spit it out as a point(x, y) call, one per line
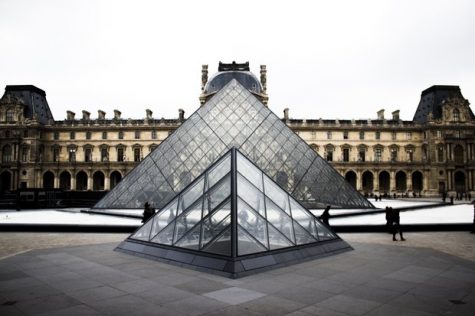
point(456, 115)
point(10, 116)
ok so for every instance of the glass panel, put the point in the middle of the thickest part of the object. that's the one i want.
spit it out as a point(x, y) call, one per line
point(247, 169)
point(303, 217)
point(144, 232)
point(191, 240)
point(276, 194)
point(218, 172)
point(215, 224)
point(161, 220)
point(188, 220)
point(221, 192)
point(323, 232)
point(246, 244)
point(250, 195)
point(279, 219)
point(165, 236)
point(252, 222)
point(277, 240)
point(302, 236)
point(192, 193)
point(222, 245)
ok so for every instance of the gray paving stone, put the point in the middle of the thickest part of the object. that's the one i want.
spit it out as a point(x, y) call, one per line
point(29, 293)
point(200, 286)
point(46, 304)
point(136, 286)
point(10, 310)
point(422, 304)
point(303, 295)
point(125, 305)
point(389, 310)
point(319, 310)
point(14, 284)
point(234, 311)
point(78, 310)
point(96, 294)
point(195, 305)
point(273, 305)
point(164, 294)
point(234, 295)
point(372, 293)
point(349, 305)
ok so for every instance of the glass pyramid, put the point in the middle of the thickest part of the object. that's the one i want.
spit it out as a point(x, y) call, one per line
point(233, 117)
point(232, 211)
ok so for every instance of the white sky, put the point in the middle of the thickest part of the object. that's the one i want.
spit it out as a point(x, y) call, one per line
point(328, 59)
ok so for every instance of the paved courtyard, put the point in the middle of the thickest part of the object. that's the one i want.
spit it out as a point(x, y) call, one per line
point(81, 275)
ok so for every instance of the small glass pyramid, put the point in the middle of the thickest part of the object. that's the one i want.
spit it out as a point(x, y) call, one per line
point(233, 211)
point(233, 117)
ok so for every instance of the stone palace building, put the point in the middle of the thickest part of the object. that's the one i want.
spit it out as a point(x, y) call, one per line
point(432, 153)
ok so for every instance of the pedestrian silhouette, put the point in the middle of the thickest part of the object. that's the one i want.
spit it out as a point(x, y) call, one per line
point(326, 216)
point(395, 224)
point(147, 212)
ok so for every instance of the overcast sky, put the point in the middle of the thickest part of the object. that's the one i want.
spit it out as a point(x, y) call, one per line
point(325, 59)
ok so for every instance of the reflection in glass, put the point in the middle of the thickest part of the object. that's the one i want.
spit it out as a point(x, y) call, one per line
point(252, 222)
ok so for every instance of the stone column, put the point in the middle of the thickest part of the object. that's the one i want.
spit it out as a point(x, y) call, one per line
point(392, 181)
point(73, 182)
point(107, 185)
point(56, 181)
point(409, 182)
point(359, 182)
point(89, 182)
point(375, 181)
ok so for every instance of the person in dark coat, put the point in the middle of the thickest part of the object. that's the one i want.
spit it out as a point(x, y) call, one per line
point(395, 223)
point(326, 216)
point(388, 219)
point(147, 212)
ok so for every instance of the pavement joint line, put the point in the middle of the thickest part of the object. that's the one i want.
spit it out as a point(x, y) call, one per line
point(14, 254)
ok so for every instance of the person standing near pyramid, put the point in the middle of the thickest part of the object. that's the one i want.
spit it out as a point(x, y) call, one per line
point(147, 212)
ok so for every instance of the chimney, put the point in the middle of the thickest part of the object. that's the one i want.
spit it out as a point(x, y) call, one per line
point(86, 115)
point(101, 115)
point(117, 114)
point(70, 115)
point(286, 114)
point(264, 78)
point(181, 115)
point(396, 115)
point(148, 114)
point(204, 76)
point(380, 114)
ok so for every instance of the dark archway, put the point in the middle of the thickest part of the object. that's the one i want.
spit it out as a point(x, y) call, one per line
point(115, 178)
point(6, 182)
point(417, 181)
point(65, 180)
point(98, 181)
point(368, 181)
point(401, 181)
point(459, 180)
point(384, 181)
point(458, 154)
point(350, 176)
point(81, 181)
point(48, 180)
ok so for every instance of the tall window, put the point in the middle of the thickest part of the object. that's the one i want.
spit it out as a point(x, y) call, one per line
point(393, 136)
point(104, 154)
point(346, 154)
point(24, 154)
point(56, 135)
point(329, 135)
point(440, 153)
point(25, 133)
point(72, 135)
point(137, 134)
point(72, 155)
point(329, 154)
point(314, 134)
point(345, 135)
point(7, 153)
point(456, 115)
point(121, 135)
point(154, 134)
point(393, 154)
point(377, 135)
point(88, 135)
point(410, 155)
point(409, 135)
point(137, 154)
point(361, 135)
point(362, 155)
point(55, 154)
point(88, 155)
point(10, 116)
point(377, 154)
point(120, 154)
point(104, 135)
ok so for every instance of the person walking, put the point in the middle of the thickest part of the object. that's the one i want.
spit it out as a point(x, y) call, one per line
point(325, 217)
point(388, 219)
point(395, 223)
point(147, 212)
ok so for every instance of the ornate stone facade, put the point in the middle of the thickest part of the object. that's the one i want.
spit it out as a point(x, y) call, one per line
point(433, 153)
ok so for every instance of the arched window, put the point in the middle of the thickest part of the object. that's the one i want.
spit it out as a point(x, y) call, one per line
point(440, 153)
point(7, 153)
